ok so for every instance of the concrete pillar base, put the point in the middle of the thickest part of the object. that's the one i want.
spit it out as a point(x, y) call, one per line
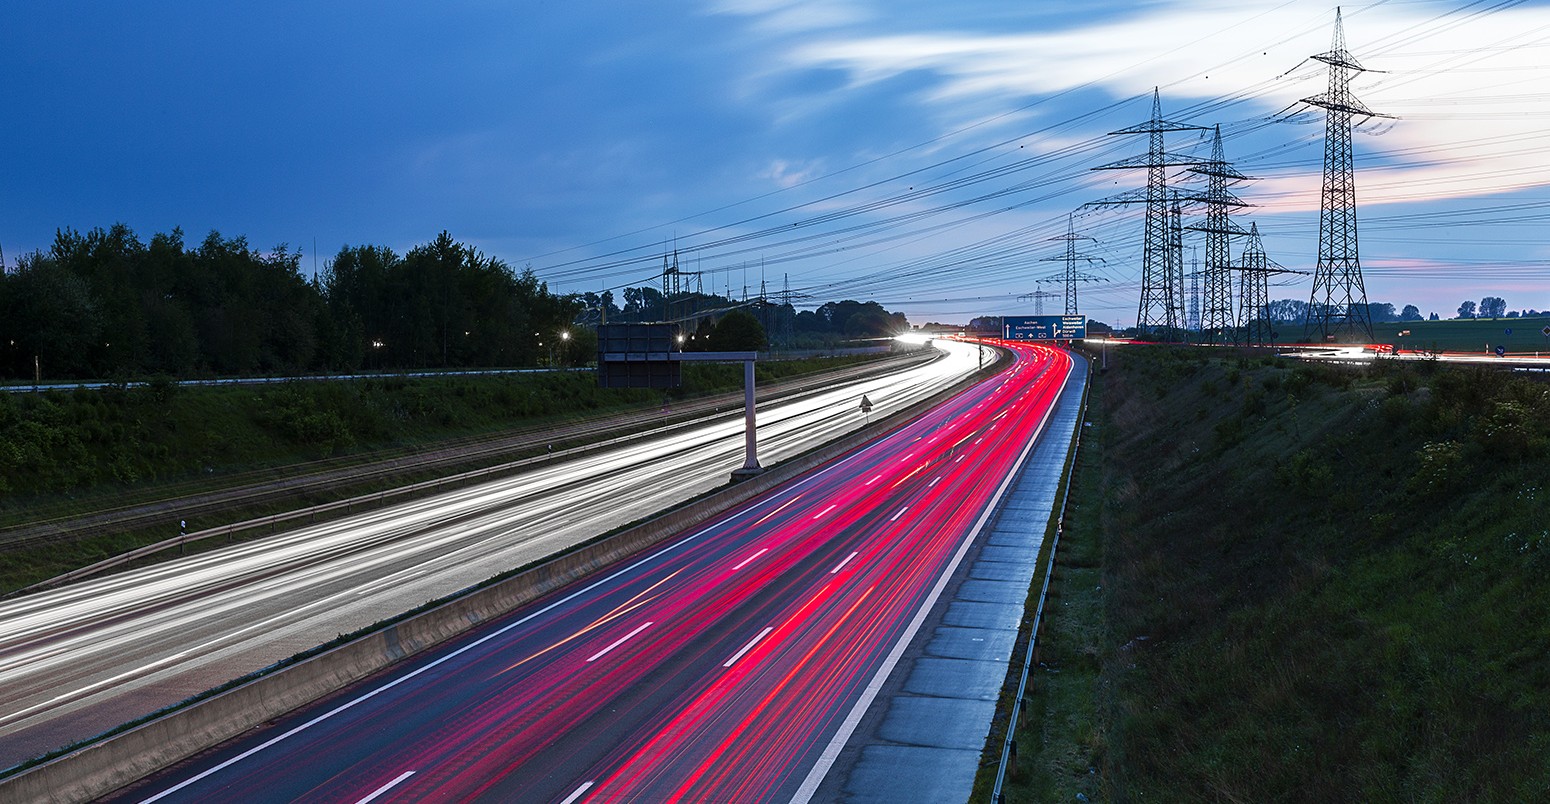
point(746, 472)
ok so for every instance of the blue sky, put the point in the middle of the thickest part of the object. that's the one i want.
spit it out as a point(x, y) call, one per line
point(919, 154)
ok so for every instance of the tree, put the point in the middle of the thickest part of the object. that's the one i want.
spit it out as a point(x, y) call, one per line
point(739, 331)
point(1434, 317)
point(1493, 307)
point(1410, 313)
point(1467, 310)
point(1381, 312)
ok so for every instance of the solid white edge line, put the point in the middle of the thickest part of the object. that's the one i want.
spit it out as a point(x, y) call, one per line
point(749, 646)
point(795, 488)
point(389, 786)
point(761, 552)
point(842, 564)
point(585, 786)
point(620, 641)
point(831, 752)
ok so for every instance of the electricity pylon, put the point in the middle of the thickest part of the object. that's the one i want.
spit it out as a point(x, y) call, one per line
point(1071, 276)
point(1158, 307)
point(1216, 313)
point(1254, 290)
point(676, 283)
point(1338, 306)
point(1038, 297)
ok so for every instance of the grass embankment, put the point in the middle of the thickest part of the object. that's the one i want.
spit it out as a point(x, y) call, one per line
point(66, 453)
point(1318, 584)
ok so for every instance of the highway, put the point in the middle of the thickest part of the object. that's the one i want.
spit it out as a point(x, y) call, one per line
point(727, 664)
point(86, 657)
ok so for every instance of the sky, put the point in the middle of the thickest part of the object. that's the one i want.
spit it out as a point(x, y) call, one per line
point(920, 154)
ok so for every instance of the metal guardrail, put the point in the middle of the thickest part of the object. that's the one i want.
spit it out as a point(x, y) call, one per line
point(1009, 745)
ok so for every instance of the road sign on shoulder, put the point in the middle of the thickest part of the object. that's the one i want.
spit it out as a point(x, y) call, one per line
point(866, 404)
point(1501, 351)
point(1546, 332)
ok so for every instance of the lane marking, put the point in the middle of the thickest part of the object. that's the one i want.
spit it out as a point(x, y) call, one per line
point(820, 514)
point(749, 646)
point(901, 513)
point(577, 793)
point(777, 510)
point(600, 654)
point(389, 786)
point(960, 458)
point(842, 564)
point(933, 481)
point(874, 479)
point(585, 786)
point(761, 552)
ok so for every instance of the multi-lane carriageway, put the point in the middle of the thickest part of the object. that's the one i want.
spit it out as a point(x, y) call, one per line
point(729, 664)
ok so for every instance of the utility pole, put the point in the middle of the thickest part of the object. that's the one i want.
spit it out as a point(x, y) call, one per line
point(1337, 307)
point(1157, 307)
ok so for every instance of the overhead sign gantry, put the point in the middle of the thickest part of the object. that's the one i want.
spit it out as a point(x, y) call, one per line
point(1044, 327)
point(648, 356)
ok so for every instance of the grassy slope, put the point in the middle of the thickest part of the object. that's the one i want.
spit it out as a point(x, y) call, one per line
point(58, 446)
point(1323, 583)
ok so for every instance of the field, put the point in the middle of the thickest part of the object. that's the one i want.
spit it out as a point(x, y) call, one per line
point(1468, 335)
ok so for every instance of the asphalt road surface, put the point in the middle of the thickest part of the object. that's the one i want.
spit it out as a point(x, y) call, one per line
point(728, 664)
point(84, 658)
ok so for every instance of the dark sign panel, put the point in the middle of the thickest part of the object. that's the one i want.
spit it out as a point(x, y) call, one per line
point(1043, 327)
point(637, 356)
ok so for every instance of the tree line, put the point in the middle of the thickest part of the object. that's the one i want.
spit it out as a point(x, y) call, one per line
point(106, 304)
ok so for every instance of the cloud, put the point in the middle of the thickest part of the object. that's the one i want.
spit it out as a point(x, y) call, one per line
point(789, 174)
point(1447, 78)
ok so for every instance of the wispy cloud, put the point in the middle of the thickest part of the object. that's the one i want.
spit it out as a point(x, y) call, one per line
point(1444, 78)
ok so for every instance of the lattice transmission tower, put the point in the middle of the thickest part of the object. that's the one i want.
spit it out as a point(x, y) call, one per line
point(1216, 317)
point(1337, 308)
point(1255, 271)
point(1038, 297)
point(677, 288)
point(1176, 258)
point(1071, 276)
point(1160, 296)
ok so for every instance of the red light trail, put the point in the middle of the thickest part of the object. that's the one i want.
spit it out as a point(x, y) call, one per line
point(722, 666)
